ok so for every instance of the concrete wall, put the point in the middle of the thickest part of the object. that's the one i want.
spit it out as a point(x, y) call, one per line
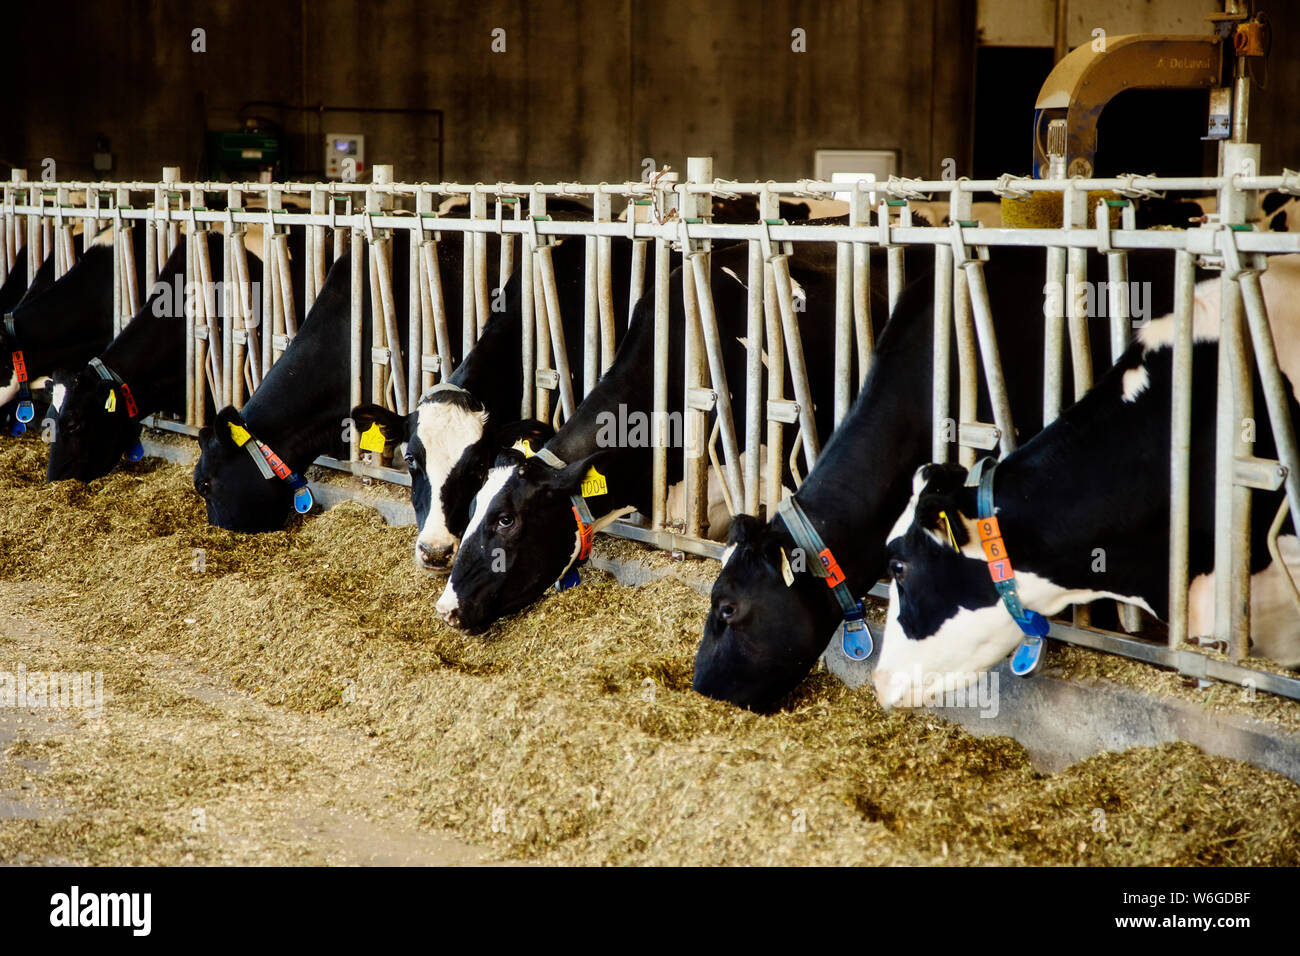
point(585, 90)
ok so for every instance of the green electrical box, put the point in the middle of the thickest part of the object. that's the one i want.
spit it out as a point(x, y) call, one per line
point(243, 154)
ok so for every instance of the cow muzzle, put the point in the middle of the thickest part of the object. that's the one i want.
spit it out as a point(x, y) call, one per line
point(433, 558)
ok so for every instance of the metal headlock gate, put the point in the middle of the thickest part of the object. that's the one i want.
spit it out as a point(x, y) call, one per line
point(227, 357)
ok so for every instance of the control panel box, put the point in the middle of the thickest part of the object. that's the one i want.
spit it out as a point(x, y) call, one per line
point(345, 156)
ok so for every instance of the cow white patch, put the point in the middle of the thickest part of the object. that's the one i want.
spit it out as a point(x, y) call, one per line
point(447, 601)
point(970, 641)
point(731, 272)
point(103, 238)
point(10, 390)
point(446, 431)
point(57, 396)
point(496, 480)
point(1280, 285)
point(1136, 381)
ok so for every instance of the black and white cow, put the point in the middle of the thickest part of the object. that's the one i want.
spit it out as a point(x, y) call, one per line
point(16, 288)
point(454, 434)
point(762, 636)
point(97, 416)
point(523, 535)
point(299, 411)
point(1280, 212)
point(68, 323)
point(1094, 484)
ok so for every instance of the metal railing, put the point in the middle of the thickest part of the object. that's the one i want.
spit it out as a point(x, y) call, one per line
point(368, 219)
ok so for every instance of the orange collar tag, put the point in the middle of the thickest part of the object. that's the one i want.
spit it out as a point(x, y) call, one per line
point(131, 408)
point(20, 367)
point(834, 576)
point(995, 549)
point(586, 535)
point(279, 467)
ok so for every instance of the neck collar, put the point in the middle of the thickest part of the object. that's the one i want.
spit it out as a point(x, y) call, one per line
point(271, 465)
point(855, 637)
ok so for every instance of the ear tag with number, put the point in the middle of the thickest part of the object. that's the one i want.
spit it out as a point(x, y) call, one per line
point(240, 434)
point(947, 524)
point(110, 403)
point(523, 446)
point(594, 484)
point(786, 572)
point(372, 439)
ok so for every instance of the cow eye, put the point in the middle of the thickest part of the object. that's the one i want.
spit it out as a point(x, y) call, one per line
point(411, 463)
point(506, 521)
point(203, 486)
point(898, 570)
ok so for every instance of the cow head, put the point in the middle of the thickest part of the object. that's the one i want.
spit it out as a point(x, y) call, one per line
point(237, 496)
point(450, 443)
point(92, 427)
point(946, 621)
point(521, 538)
point(767, 623)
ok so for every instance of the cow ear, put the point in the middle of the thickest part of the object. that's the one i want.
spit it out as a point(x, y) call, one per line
point(393, 427)
point(744, 531)
point(530, 430)
point(227, 417)
point(569, 479)
point(943, 515)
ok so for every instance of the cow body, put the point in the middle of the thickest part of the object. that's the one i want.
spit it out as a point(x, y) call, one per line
point(1084, 513)
point(68, 323)
point(763, 636)
point(94, 423)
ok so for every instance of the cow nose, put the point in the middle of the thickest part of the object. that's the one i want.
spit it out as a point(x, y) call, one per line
point(448, 606)
point(891, 688)
point(431, 557)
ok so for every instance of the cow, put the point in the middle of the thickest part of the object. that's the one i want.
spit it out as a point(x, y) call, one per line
point(769, 623)
point(1280, 212)
point(454, 433)
point(16, 288)
point(67, 324)
point(298, 413)
point(97, 408)
point(526, 530)
point(1082, 512)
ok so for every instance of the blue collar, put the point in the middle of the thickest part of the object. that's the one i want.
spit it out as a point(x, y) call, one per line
point(1031, 623)
point(855, 636)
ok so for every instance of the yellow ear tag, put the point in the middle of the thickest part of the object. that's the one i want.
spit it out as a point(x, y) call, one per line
point(594, 484)
point(372, 439)
point(948, 527)
point(110, 403)
point(523, 446)
point(785, 569)
point(240, 434)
